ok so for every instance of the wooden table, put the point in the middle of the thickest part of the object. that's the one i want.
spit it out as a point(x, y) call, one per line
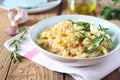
point(27, 70)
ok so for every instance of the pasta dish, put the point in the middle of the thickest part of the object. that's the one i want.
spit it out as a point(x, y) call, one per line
point(79, 39)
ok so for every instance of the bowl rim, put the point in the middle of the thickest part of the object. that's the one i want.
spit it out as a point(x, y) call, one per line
point(71, 58)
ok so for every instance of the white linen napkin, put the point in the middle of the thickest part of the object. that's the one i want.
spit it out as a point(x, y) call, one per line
point(93, 72)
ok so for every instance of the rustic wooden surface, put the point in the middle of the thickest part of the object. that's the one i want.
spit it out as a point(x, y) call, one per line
point(27, 70)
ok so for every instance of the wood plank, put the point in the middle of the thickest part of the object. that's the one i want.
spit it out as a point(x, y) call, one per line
point(68, 77)
point(4, 53)
point(64, 9)
point(27, 70)
point(115, 75)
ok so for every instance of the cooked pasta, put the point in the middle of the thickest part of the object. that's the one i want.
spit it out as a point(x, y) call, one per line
point(79, 39)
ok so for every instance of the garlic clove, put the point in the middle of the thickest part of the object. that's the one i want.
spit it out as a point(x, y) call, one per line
point(11, 31)
point(17, 16)
point(11, 15)
point(21, 16)
point(93, 29)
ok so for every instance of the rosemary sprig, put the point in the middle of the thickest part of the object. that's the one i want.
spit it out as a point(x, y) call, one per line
point(15, 44)
point(97, 42)
point(86, 25)
point(104, 30)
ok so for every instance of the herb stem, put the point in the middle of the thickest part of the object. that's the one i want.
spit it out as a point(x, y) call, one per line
point(15, 56)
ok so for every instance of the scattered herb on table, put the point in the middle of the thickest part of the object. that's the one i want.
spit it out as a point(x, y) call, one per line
point(15, 44)
point(111, 12)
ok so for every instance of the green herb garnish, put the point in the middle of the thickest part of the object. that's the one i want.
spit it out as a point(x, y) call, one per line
point(84, 34)
point(86, 25)
point(77, 38)
point(72, 25)
point(104, 30)
point(97, 42)
point(15, 44)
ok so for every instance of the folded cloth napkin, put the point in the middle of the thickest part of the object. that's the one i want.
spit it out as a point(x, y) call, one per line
point(93, 72)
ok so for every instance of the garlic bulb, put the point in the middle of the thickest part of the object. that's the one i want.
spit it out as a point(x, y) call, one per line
point(17, 16)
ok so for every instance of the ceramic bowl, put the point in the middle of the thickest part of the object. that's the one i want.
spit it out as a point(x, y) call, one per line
point(114, 32)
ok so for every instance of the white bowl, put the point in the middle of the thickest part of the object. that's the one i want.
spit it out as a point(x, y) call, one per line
point(114, 32)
